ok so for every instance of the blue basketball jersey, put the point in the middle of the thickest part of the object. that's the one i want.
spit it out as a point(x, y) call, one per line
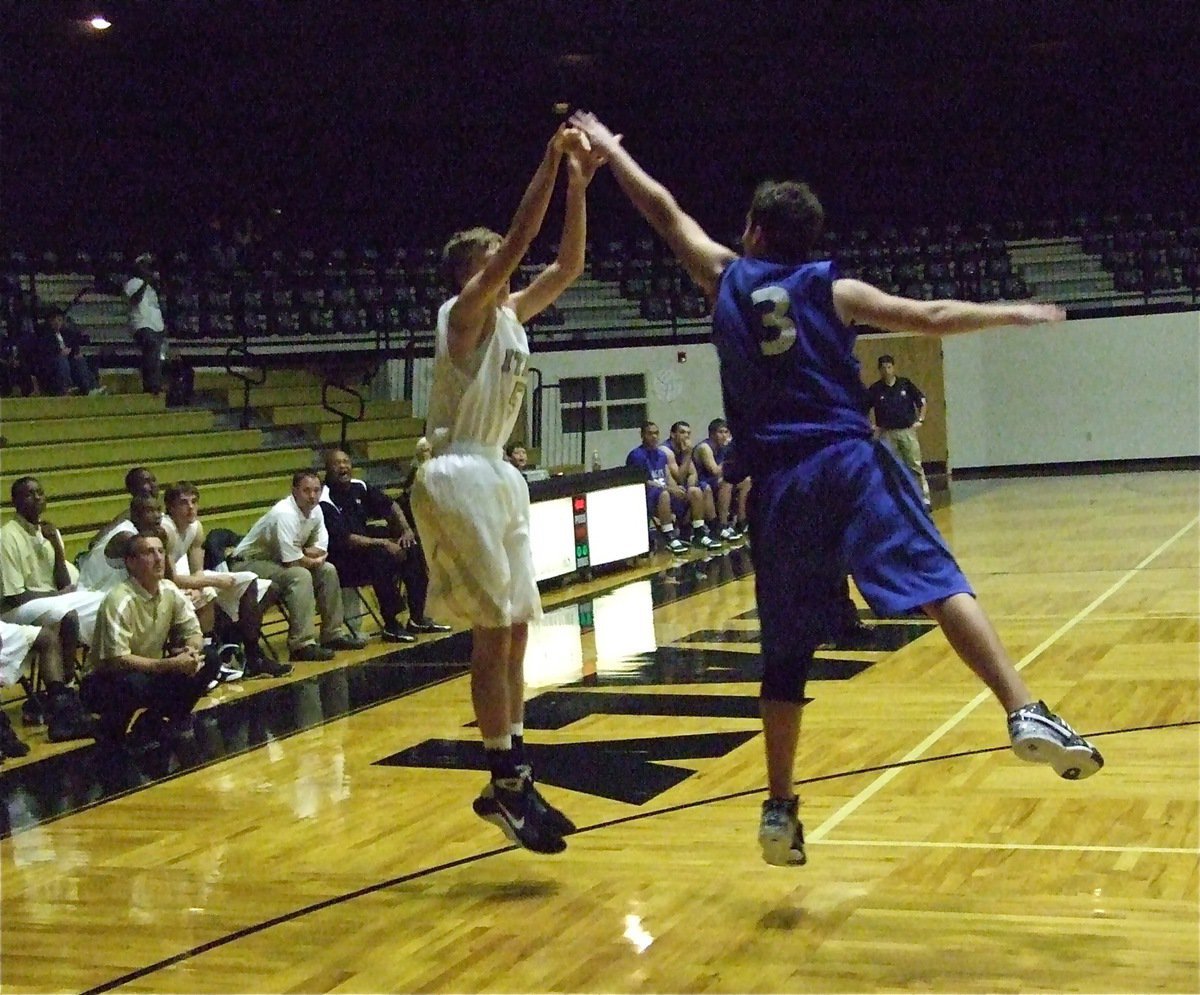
point(718, 454)
point(653, 461)
point(788, 372)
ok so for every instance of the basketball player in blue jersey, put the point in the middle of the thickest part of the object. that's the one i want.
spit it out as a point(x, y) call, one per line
point(828, 495)
point(471, 506)
point(709, 455)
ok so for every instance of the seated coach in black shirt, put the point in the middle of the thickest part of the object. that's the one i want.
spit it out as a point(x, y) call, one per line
point(380, 555)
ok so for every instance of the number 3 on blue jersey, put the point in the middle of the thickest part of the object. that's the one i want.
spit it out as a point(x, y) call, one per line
point(779, 331)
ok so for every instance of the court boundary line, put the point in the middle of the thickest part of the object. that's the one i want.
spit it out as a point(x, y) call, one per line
point(1185, 851)
point(884, 779)
point(378, 886)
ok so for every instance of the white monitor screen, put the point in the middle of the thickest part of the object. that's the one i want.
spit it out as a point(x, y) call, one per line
point(552, 537)
point(617, 527)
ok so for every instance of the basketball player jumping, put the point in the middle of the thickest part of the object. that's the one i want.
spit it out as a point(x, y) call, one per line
point(471, 506)
point(827, 495)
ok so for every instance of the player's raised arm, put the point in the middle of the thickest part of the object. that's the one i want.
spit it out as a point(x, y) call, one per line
point(859, 303)
point(478, 295)
point(582, 163)
point(703, 258)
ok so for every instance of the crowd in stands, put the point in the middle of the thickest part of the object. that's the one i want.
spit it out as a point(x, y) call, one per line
point(235, 283)
point(165, 611)
point(43, 354)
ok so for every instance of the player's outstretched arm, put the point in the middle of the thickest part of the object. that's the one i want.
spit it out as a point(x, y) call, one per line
point(703, 258)
point(479, 293)
point(544, 290)
point(859, 303)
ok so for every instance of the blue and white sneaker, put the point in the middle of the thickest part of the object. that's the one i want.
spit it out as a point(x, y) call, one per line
point(780, 833)
point(677, 545)
point(1041, 737)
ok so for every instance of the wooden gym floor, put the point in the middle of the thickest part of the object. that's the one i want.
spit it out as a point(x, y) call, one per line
point(318, 835)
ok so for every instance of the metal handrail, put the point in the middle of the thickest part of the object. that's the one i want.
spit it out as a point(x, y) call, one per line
point(251, 362)
point(345, 416)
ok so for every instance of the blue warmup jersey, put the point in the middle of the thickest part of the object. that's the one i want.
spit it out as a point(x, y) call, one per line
point(718, 454)
point(789, 376)
point(653, 461)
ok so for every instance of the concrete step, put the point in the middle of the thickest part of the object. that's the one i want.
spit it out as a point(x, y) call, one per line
point(1068, 288)
point(315, 414)
point(265, 397)
point(122, 381)
point(31, 408)
point(34, 459)
point(92, 512)
point(1076, 266)
point(397, 450)
point(199, 470)
point(45, 430)
point(384, 428)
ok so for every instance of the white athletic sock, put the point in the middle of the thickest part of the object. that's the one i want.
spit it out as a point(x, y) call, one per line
point(498, 743)
point(517, 729)
point(698, 523)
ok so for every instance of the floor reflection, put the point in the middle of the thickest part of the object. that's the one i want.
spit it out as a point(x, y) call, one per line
point(35, 793)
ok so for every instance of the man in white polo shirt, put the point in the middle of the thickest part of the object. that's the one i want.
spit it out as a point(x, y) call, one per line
point(289, 546)
point(146, 321)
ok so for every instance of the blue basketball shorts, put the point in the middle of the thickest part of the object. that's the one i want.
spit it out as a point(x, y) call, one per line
point(679, 505)
point(849, 508)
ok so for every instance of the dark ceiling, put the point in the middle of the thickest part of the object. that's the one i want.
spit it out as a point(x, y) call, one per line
point(401, 120)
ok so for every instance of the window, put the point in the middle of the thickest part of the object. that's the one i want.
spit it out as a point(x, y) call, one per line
point(612, 402)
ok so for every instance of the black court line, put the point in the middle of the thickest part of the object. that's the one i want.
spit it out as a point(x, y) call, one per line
point(378, 886)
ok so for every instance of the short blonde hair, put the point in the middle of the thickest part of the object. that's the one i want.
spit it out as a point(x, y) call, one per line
point(462, 248)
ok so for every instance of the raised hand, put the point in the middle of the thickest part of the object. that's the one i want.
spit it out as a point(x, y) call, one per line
point(572, 141)
point(1038, 314)
point(599, 137)
point(584, 161)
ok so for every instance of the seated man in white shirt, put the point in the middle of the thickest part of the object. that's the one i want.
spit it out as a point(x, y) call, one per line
point(240, 595)
point(289, 546)
point(139, 481)
point(103, 566)
point(37, 583)
point(148, 651)
point(20, 645)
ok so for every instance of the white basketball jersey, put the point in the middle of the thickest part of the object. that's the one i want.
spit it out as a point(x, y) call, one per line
point(477, 404)
point(178, 545)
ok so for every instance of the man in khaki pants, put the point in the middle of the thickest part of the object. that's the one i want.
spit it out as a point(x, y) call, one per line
point(898, 410)
point(289, 545)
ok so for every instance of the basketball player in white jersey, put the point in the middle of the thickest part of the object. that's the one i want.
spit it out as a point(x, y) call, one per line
point(471, 506)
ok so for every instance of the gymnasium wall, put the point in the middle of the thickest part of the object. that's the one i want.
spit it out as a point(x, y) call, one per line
point(675, 391)
point(1095, 389)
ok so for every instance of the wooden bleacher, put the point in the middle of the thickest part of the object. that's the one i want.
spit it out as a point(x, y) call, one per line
point(81, 447)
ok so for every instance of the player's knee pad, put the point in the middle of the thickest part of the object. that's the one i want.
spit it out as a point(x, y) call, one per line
point(784, 680)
